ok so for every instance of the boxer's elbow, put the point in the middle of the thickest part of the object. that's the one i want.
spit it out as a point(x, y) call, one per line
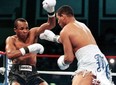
point(9, 55)
point(12, 55)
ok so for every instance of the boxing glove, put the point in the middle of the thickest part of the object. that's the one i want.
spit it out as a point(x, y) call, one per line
point(34, 48)
point(49, 6)
point(2, 70)
point(50, 36)
point(61, 63)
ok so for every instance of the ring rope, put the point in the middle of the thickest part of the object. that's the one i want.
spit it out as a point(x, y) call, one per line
point(62, 73)
point(56, 56)
point(56, 72)
point(2, 53)
point(51, 56)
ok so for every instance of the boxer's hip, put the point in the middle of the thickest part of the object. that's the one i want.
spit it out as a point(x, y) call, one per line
point(90, 58)
point(23, 71)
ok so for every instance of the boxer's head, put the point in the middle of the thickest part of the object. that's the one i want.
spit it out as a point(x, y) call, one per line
point(65, 9)
point(64, 14)
point(21, 27)
point(19, 20)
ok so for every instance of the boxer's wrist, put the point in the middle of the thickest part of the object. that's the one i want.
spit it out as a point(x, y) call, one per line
point(62, 65)
point(23, 51)
point(51, 14)
point(34, 48)
point(56, 38)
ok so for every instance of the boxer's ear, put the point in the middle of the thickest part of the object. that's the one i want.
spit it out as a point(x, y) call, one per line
point(14, 29)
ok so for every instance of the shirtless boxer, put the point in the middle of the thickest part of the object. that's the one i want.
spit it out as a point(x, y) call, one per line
point(22, 49)
point(78, 41)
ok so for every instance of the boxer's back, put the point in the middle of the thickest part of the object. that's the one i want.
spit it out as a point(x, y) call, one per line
point(79, 35)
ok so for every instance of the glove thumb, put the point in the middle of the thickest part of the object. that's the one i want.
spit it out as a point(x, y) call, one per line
point(42, 36)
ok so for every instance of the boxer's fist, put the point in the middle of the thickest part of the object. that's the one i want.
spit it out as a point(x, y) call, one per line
point(50, 36)
point(2, 70)
point(34, 48)
point(49, 6)
point(61, 63)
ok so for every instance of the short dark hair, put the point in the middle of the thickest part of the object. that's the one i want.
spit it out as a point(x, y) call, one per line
point(65, 9)
point(19, 19)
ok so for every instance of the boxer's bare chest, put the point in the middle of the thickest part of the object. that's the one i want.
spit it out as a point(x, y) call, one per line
point(31, 58)
point(19, 44)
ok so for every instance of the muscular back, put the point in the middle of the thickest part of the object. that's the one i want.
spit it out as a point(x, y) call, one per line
point(79, 35)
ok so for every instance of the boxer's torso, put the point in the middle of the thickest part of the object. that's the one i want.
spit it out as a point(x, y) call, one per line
point(79, 35)
point(29, 58)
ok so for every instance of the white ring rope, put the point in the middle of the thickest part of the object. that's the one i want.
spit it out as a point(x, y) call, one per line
point(56, 72)
point(62, 73)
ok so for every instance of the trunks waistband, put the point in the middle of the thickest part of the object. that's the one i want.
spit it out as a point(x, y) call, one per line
point(23, 67)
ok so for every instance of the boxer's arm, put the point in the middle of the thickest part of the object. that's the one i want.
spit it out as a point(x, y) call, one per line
point(67, 47)
point(49, 7)
point(12, 52)
point(65, 60)
point(10, 48)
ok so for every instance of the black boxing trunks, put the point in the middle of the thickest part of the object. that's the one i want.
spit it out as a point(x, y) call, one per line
point(24, 74)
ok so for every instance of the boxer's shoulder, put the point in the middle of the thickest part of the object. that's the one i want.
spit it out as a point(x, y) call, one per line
point(34, 30)
point(11, 38)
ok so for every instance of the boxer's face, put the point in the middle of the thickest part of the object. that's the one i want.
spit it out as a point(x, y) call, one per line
point(61, 20)
point(22, 29)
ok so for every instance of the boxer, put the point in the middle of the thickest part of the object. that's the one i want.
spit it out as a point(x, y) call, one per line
point(78, 41)
point(22, 49)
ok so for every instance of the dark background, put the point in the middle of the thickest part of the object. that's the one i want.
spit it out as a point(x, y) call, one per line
point(98, 15)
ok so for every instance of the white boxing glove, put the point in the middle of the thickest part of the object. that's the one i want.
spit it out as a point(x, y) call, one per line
point(50, 36)
point(34, 48)
point(49, 6)
point(61, 63)
point(2, 70)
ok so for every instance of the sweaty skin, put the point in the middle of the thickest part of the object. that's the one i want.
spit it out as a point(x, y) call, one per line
point(78, 35)
point(73, 36)
point(25, 37)
point(78, 42)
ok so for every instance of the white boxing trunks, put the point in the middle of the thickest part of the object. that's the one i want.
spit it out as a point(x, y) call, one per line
point(90, 58)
